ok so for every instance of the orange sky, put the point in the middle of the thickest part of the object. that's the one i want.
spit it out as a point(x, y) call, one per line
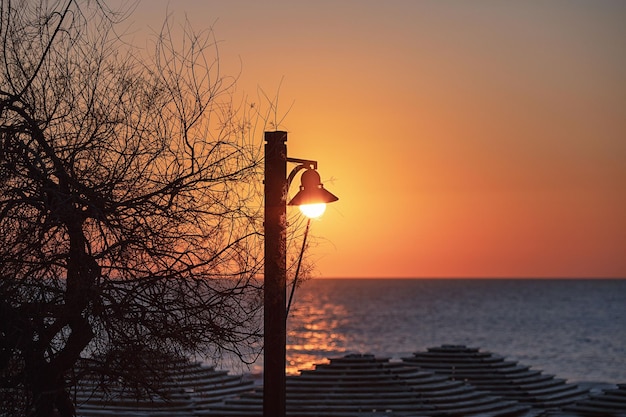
point(464, 139)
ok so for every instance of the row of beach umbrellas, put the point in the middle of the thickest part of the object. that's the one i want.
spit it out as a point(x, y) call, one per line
point(449, 380)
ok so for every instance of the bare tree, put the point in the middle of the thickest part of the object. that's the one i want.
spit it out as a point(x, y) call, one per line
point(127, 190)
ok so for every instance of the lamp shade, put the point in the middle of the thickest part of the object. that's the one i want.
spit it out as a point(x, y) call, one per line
point(312, 190)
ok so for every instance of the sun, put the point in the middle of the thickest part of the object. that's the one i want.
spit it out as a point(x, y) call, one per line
point(313, 211)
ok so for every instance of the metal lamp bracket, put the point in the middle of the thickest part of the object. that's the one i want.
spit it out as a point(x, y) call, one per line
point(303, 164)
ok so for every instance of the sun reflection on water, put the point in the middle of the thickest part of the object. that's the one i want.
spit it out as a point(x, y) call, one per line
point(311, 335)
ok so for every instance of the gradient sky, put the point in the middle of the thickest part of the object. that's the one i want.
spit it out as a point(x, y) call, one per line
point(464, 139)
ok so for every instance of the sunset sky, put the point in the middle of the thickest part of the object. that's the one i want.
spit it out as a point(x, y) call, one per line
point(463, 138)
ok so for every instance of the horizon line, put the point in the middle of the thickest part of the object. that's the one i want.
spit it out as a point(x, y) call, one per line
point(475, 277)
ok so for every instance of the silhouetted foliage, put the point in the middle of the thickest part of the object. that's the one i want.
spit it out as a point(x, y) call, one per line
point(125, 187)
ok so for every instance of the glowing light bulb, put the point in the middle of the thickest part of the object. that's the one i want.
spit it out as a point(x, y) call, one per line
point(313, 211)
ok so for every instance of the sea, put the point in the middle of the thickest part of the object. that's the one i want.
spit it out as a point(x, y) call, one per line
point(571, 328)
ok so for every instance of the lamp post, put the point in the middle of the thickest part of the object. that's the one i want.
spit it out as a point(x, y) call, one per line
point(311, 194)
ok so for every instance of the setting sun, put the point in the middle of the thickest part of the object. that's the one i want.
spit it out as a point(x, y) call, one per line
point(313, 211)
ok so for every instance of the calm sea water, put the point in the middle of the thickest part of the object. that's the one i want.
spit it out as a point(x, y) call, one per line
point(574, 329)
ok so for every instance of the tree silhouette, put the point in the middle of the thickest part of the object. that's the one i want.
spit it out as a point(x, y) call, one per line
point(126, 183)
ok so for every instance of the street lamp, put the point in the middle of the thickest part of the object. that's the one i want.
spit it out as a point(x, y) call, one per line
point(311, 195)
